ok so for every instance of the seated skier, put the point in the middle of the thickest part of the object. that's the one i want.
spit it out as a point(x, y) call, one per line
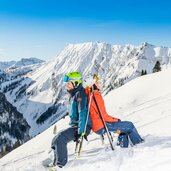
point(78, 113)
point(97, 108)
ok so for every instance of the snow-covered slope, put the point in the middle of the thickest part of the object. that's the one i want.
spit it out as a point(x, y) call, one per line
point(37, 91)
point(146, 101)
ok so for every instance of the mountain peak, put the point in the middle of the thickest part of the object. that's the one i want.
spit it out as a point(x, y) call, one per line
point(147, 44)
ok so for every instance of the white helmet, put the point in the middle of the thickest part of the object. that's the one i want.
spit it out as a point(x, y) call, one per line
point(88, 81)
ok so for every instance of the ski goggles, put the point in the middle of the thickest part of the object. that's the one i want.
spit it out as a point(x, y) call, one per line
point(66, 78)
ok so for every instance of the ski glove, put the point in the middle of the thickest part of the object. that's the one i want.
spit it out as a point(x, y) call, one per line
point(77, 136)
point(84, 136)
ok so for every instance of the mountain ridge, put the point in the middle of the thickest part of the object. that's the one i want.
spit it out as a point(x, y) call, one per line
point(23, 62)
point(38, 92)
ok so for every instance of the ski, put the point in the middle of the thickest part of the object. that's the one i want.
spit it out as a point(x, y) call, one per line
point(52, 169)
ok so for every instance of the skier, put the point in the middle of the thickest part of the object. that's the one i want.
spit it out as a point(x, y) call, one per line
point(78, 112)
point(97, 108)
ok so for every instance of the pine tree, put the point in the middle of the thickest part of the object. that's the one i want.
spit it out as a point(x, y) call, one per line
point(17, 144)
point(2, 153)
point(157, 67)
point(142, 72)
point(7, 149)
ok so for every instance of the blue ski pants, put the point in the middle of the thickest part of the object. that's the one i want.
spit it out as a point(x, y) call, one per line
point(128, 132)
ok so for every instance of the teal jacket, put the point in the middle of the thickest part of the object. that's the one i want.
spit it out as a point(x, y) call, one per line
point(79, 109)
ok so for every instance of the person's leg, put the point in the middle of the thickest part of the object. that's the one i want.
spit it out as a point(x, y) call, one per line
point(59, 144)
point(127, 128)
point(135, 137)
point(123, 140)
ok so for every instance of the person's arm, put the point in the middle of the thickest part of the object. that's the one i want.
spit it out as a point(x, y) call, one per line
point(82, 110)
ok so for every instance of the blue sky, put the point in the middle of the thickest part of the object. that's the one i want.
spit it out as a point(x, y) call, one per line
point(42, 28)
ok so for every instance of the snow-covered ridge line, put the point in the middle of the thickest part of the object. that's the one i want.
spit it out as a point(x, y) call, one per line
point(43, 97)
point(21, 63)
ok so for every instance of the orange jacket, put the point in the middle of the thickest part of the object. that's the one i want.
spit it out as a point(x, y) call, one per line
point(97, 123)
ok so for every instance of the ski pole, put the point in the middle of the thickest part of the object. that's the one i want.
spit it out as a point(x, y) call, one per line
point(83, 134)
point(102, 138)
point(101, 117)
point(76, 145)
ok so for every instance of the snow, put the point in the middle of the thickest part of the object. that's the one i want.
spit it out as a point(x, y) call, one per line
point(114, 64)
point(21, 63)
point(26, 62)
point(146, 101)
point(4, 65)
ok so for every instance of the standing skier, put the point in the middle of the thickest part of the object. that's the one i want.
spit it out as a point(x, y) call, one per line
point(102, 122)
point(78, 113)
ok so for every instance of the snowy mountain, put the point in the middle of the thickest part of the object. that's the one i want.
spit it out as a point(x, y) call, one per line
point(37, 91)
point(146, 101)
point(14, 129)
point(26, 62)
point(4, 65)
point(22, 62)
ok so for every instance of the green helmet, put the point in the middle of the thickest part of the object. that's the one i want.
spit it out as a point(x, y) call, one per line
point(74, 77)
